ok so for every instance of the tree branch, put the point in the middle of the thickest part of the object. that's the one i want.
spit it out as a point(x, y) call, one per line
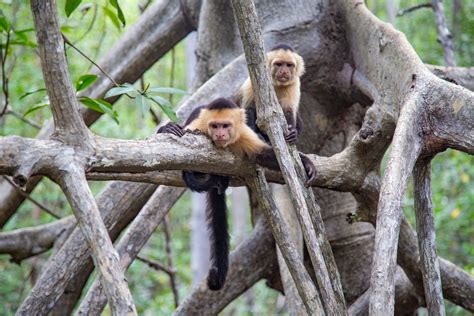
point(444, 36)
point(248, 263)
point(294, 261)
point(106, 259)
point(27, 242)
point(64, 105)
point(319, 249)
point(117, 210)
point(132, 242)
point(425, 228)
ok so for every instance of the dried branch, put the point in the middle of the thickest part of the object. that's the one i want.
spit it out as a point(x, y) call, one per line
point(413, 8)
point(155, 265)
point(117, 210)
point(303, 199)
point(136, 51)
point(29, 198)
point(169, 254)
point(132, 242)
point(425, 228)
point(303, 282)
point(248, 263)
point(27, 242)
point(64, 105)
point(444, 36)
point(106, 259)
point(22, 118)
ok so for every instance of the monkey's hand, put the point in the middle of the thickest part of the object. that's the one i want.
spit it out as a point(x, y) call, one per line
point(171, 128)
point(292, 135)
point(310, 170)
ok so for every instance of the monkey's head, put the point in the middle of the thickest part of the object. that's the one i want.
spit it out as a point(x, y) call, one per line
point(285, 65)
point(224, 119)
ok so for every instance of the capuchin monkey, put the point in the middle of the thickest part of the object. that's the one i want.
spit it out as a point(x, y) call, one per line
point(225, 123)
point(286, 67)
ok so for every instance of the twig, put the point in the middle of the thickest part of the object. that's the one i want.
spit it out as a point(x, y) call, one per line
point(413, 8)
point(4, 76)
point(28, 197)
point(444, 36)
point(173, 66)
point(169, 254)
point(22, 118)
point(155, 265)
point(90, 60)
point(89, 28)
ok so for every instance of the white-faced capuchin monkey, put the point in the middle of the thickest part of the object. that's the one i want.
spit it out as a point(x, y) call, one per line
point(286, 67)
point(225, 123)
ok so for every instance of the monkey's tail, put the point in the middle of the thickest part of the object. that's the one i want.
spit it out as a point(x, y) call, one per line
point(219, 236)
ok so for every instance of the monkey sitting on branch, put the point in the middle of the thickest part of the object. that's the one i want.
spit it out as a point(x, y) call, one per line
point(225, 123)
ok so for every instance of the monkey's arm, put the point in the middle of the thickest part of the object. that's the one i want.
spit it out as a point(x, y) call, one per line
point(178, 130)
point(267, 159)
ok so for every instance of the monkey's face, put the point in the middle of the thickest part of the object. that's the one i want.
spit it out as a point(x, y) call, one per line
point(283, 71)
point(222, 132)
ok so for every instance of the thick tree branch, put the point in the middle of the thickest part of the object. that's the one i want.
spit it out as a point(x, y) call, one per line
point(460, 75)
point(294, 261)
point(74, 185)
point(62, 98)
point(27, 242)
point(136, 51)
point(406, 147)
point(117, 210)
point(132, 242)
point(425, 228)
point(250, 262)
point(319, 249)
point(444, 36)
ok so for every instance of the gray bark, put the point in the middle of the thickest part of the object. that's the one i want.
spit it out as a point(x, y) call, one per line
point(303, 199)
point(132, 242)
point(425, 228)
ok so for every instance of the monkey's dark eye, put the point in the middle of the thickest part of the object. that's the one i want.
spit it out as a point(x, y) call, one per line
point(225, 125)
point(278, 64)
point(290, 65)
point(214, 126)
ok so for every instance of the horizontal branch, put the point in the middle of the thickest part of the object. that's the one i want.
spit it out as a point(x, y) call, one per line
point(27, 242)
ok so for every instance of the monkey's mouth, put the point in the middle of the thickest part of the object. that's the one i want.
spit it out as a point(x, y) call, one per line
point(220, 142)
point(283, 78)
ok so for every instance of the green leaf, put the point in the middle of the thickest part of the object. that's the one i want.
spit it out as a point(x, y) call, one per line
point(142, 104)
point(162, 100)
point(112, 17)
point(120, 15)
point(165, 108)
point(168, 90)
point(125, 88)
point(100, 106)
point(71, 5)
point(37, 106)
point(91, 104)
point(84, 81)
point(31, 92)
point(4, 23)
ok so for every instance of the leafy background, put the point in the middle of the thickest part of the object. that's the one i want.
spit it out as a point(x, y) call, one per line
point(93, 27)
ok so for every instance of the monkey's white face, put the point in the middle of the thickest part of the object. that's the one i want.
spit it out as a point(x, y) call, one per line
point(283, 71)
point(221, 132)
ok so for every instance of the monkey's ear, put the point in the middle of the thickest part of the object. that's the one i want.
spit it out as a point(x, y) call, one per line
point(299, 65)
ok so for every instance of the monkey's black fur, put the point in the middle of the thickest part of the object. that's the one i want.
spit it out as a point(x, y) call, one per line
point(217, 222)
point(282, 46)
